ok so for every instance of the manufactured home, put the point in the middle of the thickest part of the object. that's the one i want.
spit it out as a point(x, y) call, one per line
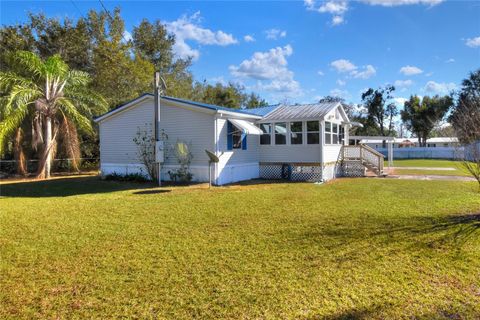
point(295, 142)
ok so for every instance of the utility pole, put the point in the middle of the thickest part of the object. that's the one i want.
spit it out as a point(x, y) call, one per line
point(158, 142)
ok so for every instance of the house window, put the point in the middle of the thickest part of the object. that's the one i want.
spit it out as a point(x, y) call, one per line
point(266, 136)
point(335, 133)
point(236, 138)
point(341, 136)
point(313, 132)
point(296, 133)
point(328, 133)
point(280, 133)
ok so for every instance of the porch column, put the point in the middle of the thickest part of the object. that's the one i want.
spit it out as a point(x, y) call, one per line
point(390, 154)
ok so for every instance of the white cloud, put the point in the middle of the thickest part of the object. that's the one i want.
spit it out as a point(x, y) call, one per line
point(399, 101)
point(320, 73)
point(410, 70)
point(127, 36)
point(394, 3)
point(187, 28)
point(403, 83)
point(270, 68)
point(343, 65)
point(274, 34)
point(340, 82)
point(248, 38)
point(368, 72)
point(473, 42)
point(340, 93)
point(336, 20)
point(439, 88)
point(451, 60)
point(336, 8)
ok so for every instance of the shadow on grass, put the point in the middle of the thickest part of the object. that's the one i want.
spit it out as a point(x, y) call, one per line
point(452, 231)
point(151, 191)
point(64, 187)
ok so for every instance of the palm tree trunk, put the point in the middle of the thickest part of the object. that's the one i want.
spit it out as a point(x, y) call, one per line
point(45, 161)
point(19, 155)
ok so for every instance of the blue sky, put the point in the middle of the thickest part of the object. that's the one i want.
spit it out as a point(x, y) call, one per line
point(301, 51)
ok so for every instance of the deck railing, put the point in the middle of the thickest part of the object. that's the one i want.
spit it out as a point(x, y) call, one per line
point(368, 156)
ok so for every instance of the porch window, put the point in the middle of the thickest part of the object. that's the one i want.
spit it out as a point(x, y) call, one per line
point(335, 133)
point(266, 136)
point(313, 132)
point(280, 133)
point(328, 133)
point(296, 132)
point(341, 136)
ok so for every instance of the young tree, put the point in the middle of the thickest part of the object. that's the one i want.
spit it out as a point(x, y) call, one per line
point(465, 116)
point(380, 110)
point(54, 95)
point(421, 115)
point(253, 100)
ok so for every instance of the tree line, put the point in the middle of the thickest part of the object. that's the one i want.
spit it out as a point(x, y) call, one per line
point(420, 115)
point(114, 70)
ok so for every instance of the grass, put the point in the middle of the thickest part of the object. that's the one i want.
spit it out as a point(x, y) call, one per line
point(459, 170)
point(350, 249)
point(437, 163)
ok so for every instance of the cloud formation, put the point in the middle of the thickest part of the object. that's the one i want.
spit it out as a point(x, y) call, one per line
point(439, 88)
point(248, 38)
point(338, 8)
point(270, 69)
point(274, 34)
point(187, 28)
point(345, 66)
point(410, 70)
point(473, 42)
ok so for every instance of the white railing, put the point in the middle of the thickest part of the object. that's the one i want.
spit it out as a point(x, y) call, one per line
point(368, 156)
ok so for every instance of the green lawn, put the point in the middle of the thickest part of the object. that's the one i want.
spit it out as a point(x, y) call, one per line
point(425, 163)
point(351, 249)
point(459, 170)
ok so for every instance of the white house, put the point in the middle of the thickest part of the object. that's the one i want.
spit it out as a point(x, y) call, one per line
point(298, 142)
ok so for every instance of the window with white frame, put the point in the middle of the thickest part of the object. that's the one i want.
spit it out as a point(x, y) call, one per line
point(332, 133)
point(328, 132)
point(281, 133)
point(335, 133)
point(296, 132)
point(266, 137)
point(313, 132)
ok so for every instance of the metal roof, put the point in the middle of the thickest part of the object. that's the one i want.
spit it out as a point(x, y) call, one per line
point(301, 111)
point(263, 111)
point(193, 103)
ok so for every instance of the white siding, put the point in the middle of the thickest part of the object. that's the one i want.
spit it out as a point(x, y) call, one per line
point(237, 164)
point(118, 131)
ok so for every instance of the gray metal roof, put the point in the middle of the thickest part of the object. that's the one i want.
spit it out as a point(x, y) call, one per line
point(301, 111)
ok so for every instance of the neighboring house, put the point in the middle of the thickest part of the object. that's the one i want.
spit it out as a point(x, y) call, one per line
point(413, 142)
point(299, 142)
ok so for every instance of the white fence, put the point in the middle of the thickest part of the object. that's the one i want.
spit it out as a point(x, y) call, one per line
point(454, 153)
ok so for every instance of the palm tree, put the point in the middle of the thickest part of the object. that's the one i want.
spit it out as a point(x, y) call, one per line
point(56, 98)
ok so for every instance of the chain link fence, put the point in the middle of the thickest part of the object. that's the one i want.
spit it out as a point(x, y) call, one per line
point(9, 167)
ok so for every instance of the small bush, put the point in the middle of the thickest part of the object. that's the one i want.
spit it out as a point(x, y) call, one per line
point(131, 177)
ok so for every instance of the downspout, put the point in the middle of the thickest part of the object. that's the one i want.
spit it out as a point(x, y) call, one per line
point(215, 145)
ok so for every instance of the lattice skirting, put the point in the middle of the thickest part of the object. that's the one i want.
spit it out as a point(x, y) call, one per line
point(353, 169)
point(291, 172)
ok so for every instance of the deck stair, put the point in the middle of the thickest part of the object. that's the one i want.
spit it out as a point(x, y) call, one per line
point(361, 160)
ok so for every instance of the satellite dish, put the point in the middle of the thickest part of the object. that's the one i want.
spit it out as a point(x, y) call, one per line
point(213, 157)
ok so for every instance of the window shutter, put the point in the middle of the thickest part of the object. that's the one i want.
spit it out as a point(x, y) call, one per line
point(244, 141)
point(229, 136)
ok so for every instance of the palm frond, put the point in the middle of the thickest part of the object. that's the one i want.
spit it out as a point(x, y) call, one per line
point(11, 123)
point(56, 67)
point(88, 102)
point(18, 96)
point(30, 62)
point(69, 109)
point(10, 79)
point(78, 78)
